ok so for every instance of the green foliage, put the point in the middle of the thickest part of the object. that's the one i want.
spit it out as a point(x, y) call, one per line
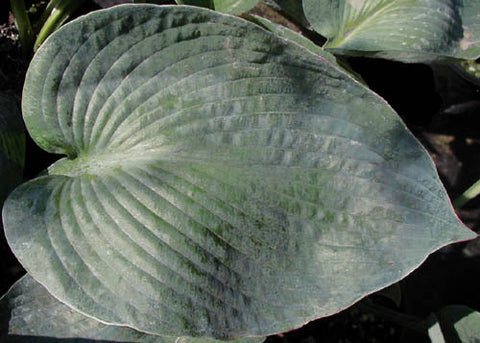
point(22, 23)
point(472, 68)
point(54, 15)
point(404, 30)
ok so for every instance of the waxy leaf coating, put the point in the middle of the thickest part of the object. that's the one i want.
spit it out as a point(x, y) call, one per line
point(28, 313)
point(220, 181)
point(404, 30)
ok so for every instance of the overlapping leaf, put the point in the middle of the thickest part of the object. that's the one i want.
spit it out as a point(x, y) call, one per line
point(234, 6)
point(110, 3)
point(225, 6)
point(297, 38)
point(28, 313)
point(405, 30)
point(199, 3)
point(456, 324)
point(291, 8)
point(220, 181)
point(291, 35)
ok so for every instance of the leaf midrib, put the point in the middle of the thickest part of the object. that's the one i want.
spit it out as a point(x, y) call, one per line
point(85, 164)
point(346, 35)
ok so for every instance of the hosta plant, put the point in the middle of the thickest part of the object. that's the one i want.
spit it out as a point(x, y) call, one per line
point(220, 181)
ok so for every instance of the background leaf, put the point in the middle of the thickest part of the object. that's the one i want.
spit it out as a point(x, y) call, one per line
point(28, 313)
point(235, 6)
point(404, 30)
point(292, 8)
point(225, 6)
point(220, 180)
point(458, 324)
point(392, 292)
point(110, 3)
point(470, 43)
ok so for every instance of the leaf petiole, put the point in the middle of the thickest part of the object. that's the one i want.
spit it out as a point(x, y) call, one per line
point(468, 195)
point(58, 11)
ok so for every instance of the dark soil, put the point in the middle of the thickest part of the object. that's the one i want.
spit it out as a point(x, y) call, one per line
point(440, 107)
point(12, 63)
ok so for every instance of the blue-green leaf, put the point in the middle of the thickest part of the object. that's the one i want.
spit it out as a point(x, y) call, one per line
point(405, 30)
point(220, 181)
point(235, 6)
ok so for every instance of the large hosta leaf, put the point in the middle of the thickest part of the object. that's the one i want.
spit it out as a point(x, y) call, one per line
point(220, 181)
point(28, 313)
point(12, 146)
point(404, 30)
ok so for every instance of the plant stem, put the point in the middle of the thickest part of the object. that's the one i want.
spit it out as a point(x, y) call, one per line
point(62, 9)
point(468, 195)
point(46, 13)
point(22, 22)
